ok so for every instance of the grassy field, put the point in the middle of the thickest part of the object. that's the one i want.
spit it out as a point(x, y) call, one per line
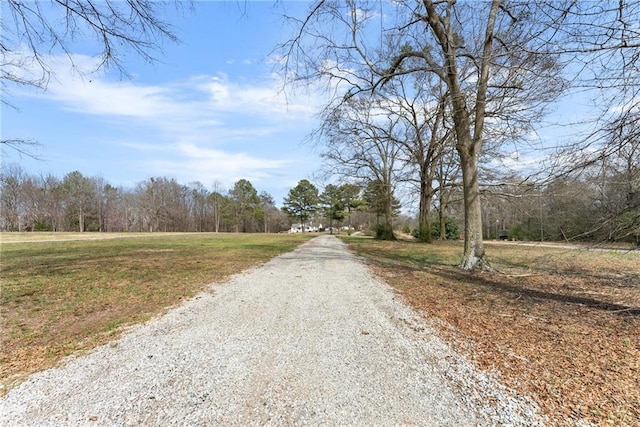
point(64, 292)
point(560, 325)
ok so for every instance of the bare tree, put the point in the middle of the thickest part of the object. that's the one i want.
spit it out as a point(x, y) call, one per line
point(32, 31)
point(198, 195)
point(155, 198)
point(80, 194)
point(605, 41)
point(492, 57)
point(12, 178)
point(78, 202)
point(362, 144)
point(215, 200)
point(24, 147)
point(602, 42)
point(447, 176)
point(267, 209)
point(52, 202)
point(420, 104)
point(35, 32)
point(614, 180)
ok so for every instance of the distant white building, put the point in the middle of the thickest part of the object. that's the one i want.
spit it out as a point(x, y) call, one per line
point(308, 228)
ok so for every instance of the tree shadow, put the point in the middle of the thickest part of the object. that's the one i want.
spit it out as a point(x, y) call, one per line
point(491, 283)
point(440, 265)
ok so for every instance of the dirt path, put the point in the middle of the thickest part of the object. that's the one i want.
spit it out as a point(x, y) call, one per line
point(309, 338)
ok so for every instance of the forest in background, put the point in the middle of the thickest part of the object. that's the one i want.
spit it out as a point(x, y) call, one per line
point(597, 206)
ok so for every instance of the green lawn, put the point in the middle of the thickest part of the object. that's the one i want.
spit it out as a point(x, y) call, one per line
point(63, 292)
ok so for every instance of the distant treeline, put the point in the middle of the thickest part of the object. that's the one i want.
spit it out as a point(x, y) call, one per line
point(82, 203)
point(601, 205)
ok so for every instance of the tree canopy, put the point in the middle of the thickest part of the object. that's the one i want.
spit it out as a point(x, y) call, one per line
point(302, 201)
point(499, 66)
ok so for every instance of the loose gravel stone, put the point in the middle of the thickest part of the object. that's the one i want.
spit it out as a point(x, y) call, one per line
point(310, 338)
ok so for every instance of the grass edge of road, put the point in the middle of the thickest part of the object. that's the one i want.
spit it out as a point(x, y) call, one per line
point(65, 294)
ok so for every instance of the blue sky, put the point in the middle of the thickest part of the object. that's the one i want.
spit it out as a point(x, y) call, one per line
point(212, 109)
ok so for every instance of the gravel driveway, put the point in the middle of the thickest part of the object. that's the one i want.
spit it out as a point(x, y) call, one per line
point(310, 338)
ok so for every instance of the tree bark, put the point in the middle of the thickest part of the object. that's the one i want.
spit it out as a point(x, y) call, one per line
point(468, 144)
point(81, 219)
point(441, 219)
point(474, 254)
point(424, 217)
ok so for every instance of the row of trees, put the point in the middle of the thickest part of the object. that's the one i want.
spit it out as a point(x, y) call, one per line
point(337, 204)
point(428, 92)
point(81, 203)
point(397, 147)
point(602, 203)
point(433, 92)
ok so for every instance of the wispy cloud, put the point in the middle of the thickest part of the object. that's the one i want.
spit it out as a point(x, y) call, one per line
point(203, 126)
point(202, 164)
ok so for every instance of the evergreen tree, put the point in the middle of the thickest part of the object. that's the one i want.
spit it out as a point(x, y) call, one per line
point(302, 201)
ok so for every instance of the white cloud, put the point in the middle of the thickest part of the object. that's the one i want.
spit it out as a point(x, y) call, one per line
point(194, 163)
point(203, 127)
point(630, 106)
point(263, 98)
point(115, 99)
point(226, 161)
point(201, 101)
point(363, 15)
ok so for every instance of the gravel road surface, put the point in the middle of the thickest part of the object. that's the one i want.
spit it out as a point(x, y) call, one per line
point(310, 338)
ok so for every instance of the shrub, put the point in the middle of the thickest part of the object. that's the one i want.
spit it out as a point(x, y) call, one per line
point(422, 235)
point(450, 226)
point(41, 226)
point(517, 232)
point(384, 232)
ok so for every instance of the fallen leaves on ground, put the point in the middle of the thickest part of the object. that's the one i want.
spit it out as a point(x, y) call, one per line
point(570, 340)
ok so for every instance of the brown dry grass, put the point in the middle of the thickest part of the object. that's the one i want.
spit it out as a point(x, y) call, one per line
point(61, 293)
point(562, 326)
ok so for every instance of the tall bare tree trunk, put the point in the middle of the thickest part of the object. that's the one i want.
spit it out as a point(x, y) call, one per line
point(424, 216)
point(81, 219)
point(468, 144)
point(443, 224)
point(468, 148)
point(473, 257)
